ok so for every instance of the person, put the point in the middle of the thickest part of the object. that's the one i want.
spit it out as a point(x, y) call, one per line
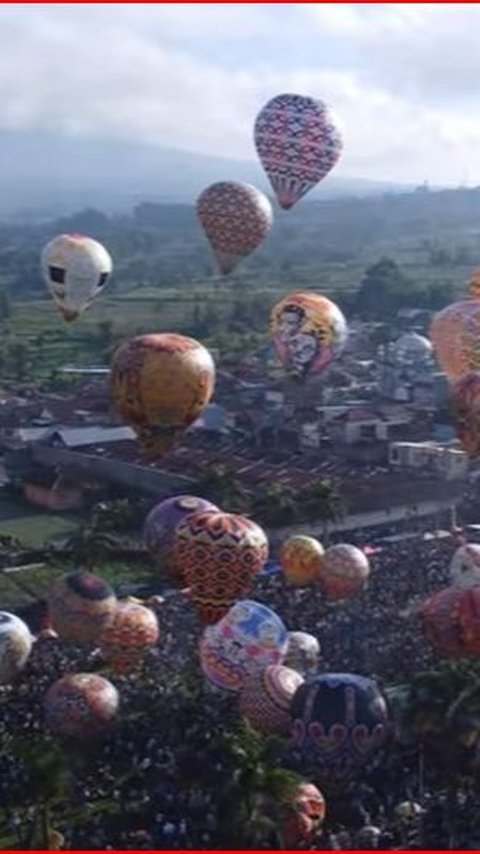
point(290, 322)
point(304, 348)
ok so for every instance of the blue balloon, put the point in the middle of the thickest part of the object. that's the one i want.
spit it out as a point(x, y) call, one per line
point(339, 720)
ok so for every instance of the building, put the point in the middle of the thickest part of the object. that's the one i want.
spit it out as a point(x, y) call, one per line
point(432, 458)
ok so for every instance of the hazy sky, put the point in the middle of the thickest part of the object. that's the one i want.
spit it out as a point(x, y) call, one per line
point(404, 81)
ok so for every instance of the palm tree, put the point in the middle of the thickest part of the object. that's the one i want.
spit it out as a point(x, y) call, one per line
point(324, 501)
point(90, 546)
point(276, 505)
point(220, 485)
point(258, 789)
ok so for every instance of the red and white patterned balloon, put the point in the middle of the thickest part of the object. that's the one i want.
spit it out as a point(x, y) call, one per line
point(126, 640)
point(236, 219)
point(81, 706)
point(297, 143)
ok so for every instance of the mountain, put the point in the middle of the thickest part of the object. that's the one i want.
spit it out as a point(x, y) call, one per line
point(49, 175)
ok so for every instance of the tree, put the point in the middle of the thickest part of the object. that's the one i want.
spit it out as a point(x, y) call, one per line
point(384, 290)
point(324, 501)
point(220, 485)
point(276, 505)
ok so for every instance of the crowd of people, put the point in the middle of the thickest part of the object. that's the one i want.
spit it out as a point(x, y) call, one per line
point(165, 777)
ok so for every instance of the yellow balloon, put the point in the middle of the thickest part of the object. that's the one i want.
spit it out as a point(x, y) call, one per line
point(301, 559)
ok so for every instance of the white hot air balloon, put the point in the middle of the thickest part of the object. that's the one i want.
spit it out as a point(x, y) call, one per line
point(75, 269)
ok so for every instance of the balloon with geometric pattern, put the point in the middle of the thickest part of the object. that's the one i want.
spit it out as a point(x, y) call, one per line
point(125, 642)
point(218, 555)
point(339, 721)
point(455, 335)
point(15, 646)
point(236, 219)
point(345, 571)
point(160, 524)
point(297, 143)
point(81, 706)
point(451, 622)
point(75, 270)
point(80, 605)
point(160, 385)
point(309, 331)
point(250, 637)
point(301, 560)
point(266, 697)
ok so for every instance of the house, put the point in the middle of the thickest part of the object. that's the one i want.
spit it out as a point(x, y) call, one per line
point(430, 457)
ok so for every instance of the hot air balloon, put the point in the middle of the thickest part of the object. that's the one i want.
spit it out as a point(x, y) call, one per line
point(160, 524)
point(218, 555)
point(339, 721)
point(455, 335)
point(161, 384)
point(266, 697)
point(465, 400)
point(15, 646)
point(128, 637)
point(344, 572)
point(451, 621)
point(305, 814)
point(308, 331)
point(81, 605)
point(75, 270)
point(303, 653)
point(297, 143)
point(465, 566)
point(301, 560)
point(81, 706)
point(236, 219)
point(249, 638)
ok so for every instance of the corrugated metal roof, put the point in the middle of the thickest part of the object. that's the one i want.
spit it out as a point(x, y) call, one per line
point(75, 437)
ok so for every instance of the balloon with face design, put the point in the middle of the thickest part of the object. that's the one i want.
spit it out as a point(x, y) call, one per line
point(297, 143)
point(308, 332)
point(75, 270)
point(339, 721)
point(249, 638)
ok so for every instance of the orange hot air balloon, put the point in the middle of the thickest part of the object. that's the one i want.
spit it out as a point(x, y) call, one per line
point(465, 399)
point(455, 335)
point(305, 814)
point(474, 284)
point(345, 571)
point(80, 605)
point(301, 559)
point(266, 697)
point(236, 219)
point(126, 640)
point(218, 555)
point(309, 331)
point(161, 384)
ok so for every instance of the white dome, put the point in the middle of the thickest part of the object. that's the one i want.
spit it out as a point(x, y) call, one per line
point(412, 346)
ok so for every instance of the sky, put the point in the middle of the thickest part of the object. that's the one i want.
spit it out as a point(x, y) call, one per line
point(403, 81)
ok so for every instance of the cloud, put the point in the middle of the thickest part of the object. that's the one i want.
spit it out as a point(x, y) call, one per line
point(402, 79)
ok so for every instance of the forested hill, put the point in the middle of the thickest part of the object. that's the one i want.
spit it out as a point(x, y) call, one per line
point(430, 234)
